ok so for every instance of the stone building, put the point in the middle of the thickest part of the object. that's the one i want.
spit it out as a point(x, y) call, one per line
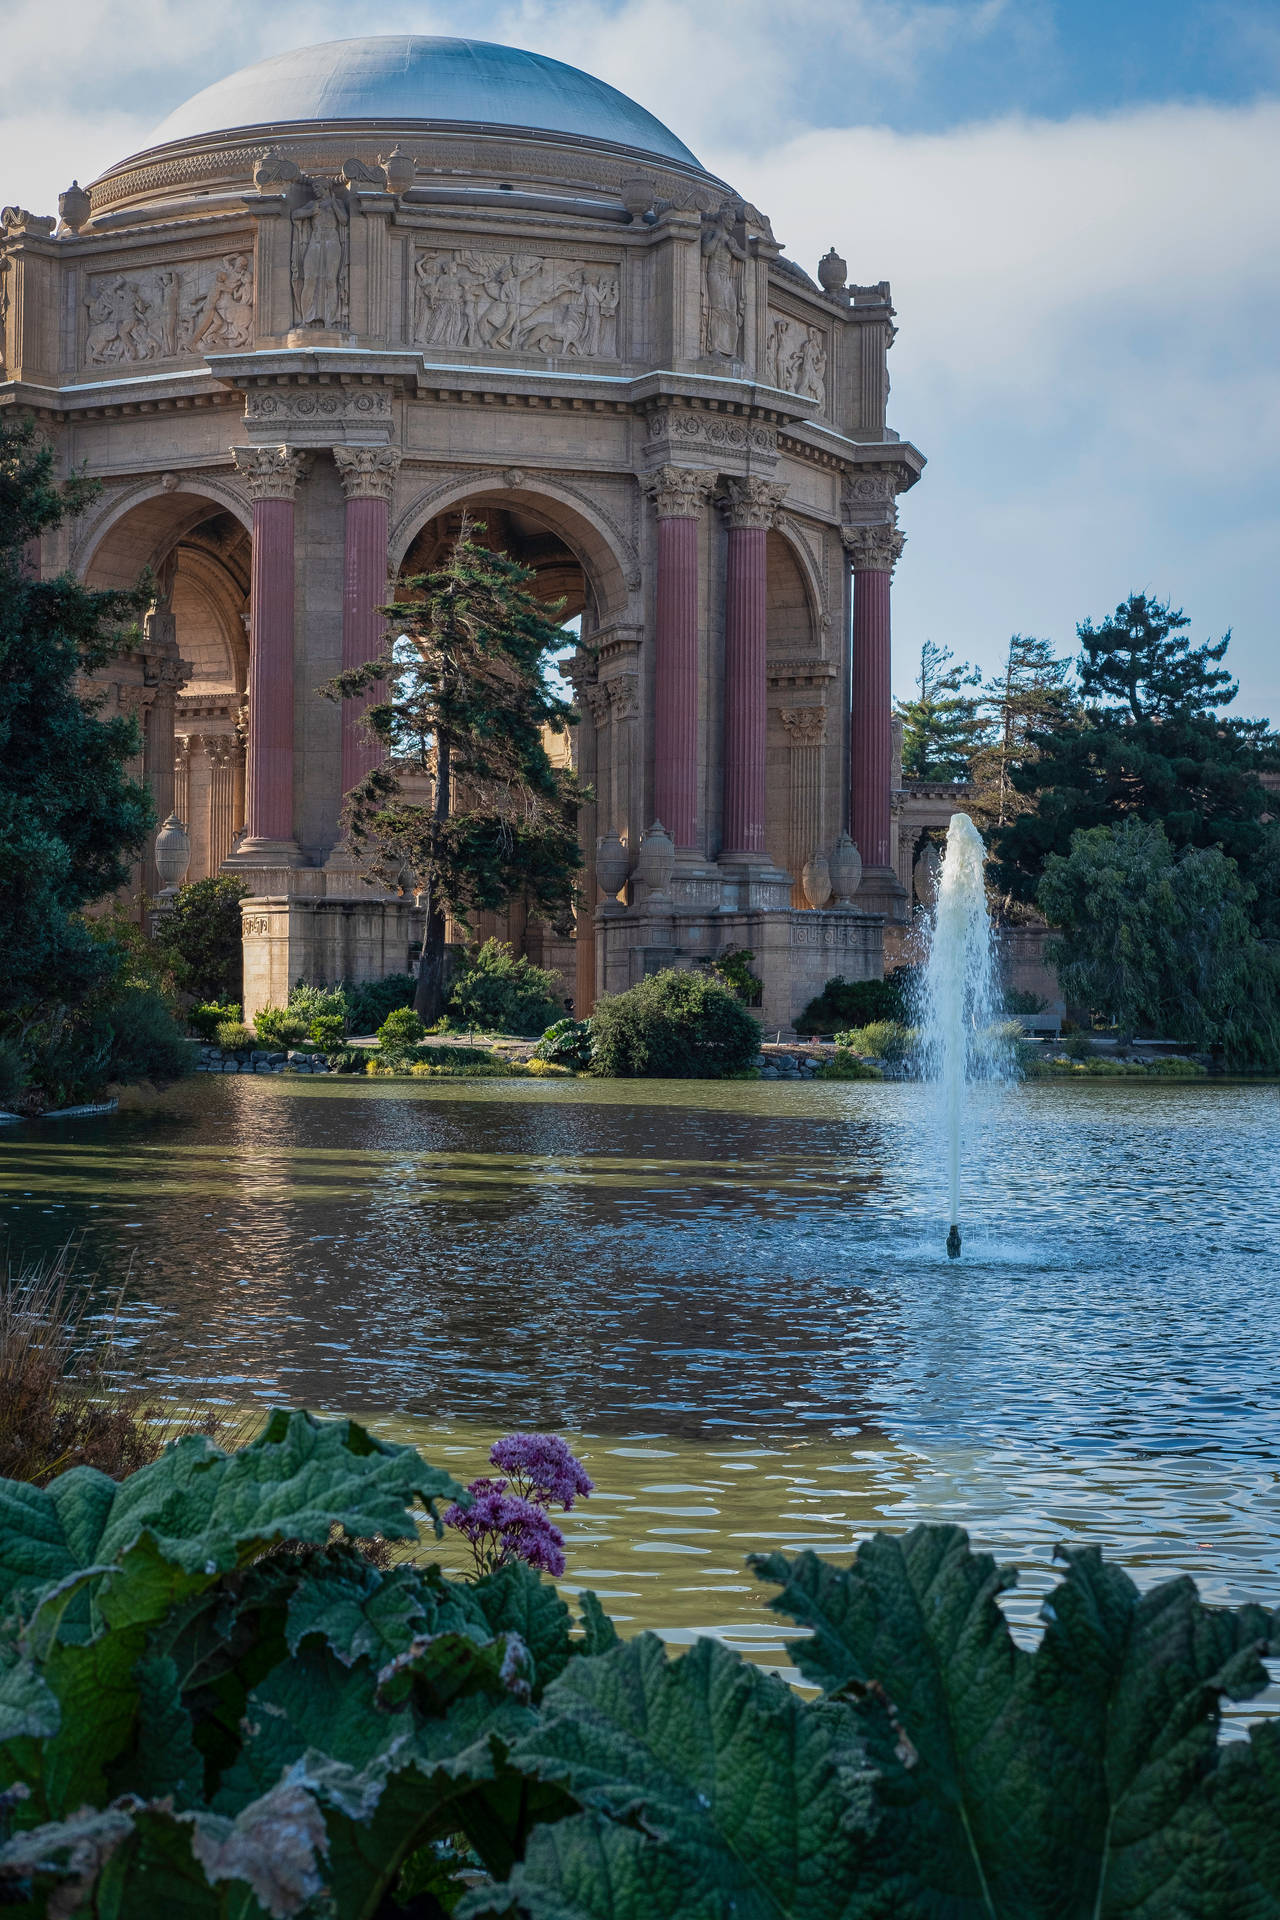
point(354, 290)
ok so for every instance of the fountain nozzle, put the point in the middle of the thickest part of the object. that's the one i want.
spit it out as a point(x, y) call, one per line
point(953, 1244)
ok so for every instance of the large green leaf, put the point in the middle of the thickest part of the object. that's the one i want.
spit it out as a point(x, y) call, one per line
point(28, 1709)
point(1079, 1782)
point(515, 1599)
point(710, 1790)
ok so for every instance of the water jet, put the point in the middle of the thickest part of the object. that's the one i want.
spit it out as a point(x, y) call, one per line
point(953, 1242)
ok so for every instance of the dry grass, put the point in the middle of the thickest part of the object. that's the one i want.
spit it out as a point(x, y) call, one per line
point(62, 1403)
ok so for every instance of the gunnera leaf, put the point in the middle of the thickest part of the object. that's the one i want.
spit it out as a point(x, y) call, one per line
point(709, 1789)
point(598, 1631)
point(28, 1709)
point(515, 1599)
point(358, 1610)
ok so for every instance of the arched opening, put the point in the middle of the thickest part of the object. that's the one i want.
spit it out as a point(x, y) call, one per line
point(800, 725)
point(185, 677)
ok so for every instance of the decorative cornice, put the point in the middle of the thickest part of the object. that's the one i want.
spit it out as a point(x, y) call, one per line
point(751, 504)
point(679, 493)
point(873, 549)
point(886, 484)
point(715, 431)
point(271, 473)
point(367, 473)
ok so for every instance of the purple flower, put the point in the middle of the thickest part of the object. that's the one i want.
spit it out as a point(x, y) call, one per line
point(503, 1526)
point(541, 1468)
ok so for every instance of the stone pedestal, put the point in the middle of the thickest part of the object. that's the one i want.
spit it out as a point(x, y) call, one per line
point(290, 937)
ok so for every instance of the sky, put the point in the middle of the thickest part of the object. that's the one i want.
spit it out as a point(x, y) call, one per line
point(1077, 203)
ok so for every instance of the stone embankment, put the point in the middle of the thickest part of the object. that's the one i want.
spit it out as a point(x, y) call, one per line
point(260, 1060)
point(792, 1062)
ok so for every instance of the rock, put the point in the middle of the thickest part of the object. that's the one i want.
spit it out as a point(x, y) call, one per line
point(768, 1073)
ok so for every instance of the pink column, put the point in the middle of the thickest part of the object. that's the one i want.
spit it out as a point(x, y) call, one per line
point(680, 495)
point(874, 551)
point(272, 474)
point(368, 476)
point(751, 507)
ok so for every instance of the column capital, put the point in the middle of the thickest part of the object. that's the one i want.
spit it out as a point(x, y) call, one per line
point(367, 473)
point(272, 473)
point(873, 549)
point(679, 493)
point(751, 503)
point(804, 726)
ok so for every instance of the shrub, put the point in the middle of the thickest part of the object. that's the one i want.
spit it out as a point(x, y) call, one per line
point(1021, 1000)
point(326, 1032)
point(204, 1691)
point(733, 970)
point(233, 1037)
point(858, 1003)
point(499, 991)
point(348, 1060)
point(369, 1004)
point(674, 1025)
point(1077, 1046)
point(278, 1027)
point(13, 1072)
point(199, 940)
point(543, 1069)
point(847, 1066)
point(398, 1035)
point(1171, 1067)
point(146, 1042)
point(204, 1021)
point(309, 1004)
point(881, 1040)
point(567, 1043)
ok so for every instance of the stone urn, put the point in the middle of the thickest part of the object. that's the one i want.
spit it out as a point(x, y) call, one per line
point(172, 853)
point(637, 196)
point(657, 859)
point(399, 170)
point(833, 272)
point(846, 870)
point(816, 880)
point(74, 207)
point(613, 863)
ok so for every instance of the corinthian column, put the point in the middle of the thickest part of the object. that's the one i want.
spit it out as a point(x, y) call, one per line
point(873, 552)
point(679, 494)
point(751, 507)
point(272, 474)
point(368, 476)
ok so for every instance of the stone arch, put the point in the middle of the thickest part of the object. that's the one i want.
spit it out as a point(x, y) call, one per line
point(795, 595)
point(148, 518)
point(608, 563)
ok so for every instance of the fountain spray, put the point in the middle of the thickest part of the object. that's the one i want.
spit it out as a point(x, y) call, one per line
point(961, 997)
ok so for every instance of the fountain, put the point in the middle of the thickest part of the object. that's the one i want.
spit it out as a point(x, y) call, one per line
point(960, 997)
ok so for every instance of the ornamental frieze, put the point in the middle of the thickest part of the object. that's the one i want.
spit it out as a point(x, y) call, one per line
point(516, 303)
point(713, 430)
point(336, 406)
point(200, 306)
point(795, 358)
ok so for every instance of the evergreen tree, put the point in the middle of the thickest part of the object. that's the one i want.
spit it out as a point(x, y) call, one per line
point(1029, 695)
point(465, 705)
point(71, 820)
point(1150, 744)
point(942, 726)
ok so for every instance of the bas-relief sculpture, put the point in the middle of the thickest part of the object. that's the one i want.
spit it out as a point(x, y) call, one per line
point(318, 259)
point(723, 306)
point(205, 306)
point(521, 302)
point(795, 358)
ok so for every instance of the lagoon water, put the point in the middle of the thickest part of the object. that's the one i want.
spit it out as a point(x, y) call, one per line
point(735, 1297)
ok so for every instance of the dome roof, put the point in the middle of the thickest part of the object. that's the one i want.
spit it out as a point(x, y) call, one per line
point(399, 78)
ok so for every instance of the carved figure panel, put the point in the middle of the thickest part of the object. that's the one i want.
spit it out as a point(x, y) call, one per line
point(795, 358)
point(521, 302)
point(723, 302)
point(319, 254)
point(200, 306)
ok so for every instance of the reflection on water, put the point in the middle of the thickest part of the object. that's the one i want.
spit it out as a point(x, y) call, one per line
point(739, 1294)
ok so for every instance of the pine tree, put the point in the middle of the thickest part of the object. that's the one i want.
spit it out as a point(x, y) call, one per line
point(465, 703)
point(1029, 695)
point(71, 820)
point(942, 726)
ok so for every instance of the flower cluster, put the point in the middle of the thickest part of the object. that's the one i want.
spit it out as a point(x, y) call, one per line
point(508, 1518)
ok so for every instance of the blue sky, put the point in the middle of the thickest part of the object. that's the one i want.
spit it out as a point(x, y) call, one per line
point(1076, 205)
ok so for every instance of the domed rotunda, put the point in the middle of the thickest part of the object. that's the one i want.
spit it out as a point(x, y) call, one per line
point(356, 290)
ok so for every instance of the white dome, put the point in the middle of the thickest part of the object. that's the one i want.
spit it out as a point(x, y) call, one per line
point(402, 78)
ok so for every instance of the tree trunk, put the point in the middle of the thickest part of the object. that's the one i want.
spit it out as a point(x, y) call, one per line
point(428, 999)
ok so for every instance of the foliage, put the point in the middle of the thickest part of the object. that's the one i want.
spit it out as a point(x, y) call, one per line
point(1149, 744)
point(371, 1002)
point(348, 1060)
point(856, 1003)
point(398, 1035)
point(123, 1031)
point(1022, 1000)
point(499, 991)
point(942, 725)
point(13, 1073)
point(278, 1027)
point(233, 1036)
point(199, 939)
point(61, 1403)
point(847, 1066)
point(205, 1020)
point(146, 1042)
point(566, 1043)
point(880, 1040)
point(1163, 941)
point(71, 819)
point(733, 970)
point(1027, 698)
point(462, 705)
point(547, 1069)
point(326, 1032)
point(207, 1707)
point(673, 1025)
point(309, 1004)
